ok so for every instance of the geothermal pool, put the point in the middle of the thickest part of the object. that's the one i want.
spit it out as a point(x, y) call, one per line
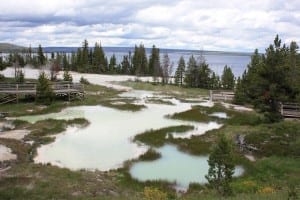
point(107, 141)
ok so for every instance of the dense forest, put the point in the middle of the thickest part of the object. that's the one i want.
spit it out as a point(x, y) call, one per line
point(271, 78)
point(194, 73)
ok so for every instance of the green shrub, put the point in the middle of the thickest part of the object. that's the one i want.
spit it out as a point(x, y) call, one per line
point(84, 81)
point(44, 91)
point(151, 154)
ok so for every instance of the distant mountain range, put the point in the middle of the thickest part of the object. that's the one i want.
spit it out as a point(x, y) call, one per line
point(8, 48)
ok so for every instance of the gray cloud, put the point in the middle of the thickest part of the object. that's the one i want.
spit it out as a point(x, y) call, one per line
point(211, 25)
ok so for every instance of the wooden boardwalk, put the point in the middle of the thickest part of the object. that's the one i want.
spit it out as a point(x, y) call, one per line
point(12, 92)
point(290, 110)
point(221, 95)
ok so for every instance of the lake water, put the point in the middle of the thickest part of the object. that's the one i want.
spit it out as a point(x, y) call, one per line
point(216, 60)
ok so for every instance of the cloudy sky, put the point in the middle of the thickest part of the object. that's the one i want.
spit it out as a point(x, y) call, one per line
point(229, 25)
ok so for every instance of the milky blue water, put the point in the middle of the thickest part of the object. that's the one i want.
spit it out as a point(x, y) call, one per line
point(175, 166)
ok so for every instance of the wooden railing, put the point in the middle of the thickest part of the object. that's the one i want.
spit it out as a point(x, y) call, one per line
point(72, 90)
point(67, 86)
point(221, 95)
point(15, 88)
point(290, 110)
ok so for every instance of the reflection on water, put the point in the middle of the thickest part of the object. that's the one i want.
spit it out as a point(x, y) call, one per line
point(175, 166)
point(221, 115)
point(66, 114)
point(107, 141)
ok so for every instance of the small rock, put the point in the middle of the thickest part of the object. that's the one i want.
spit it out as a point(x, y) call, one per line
point(113, 193)
point(77, 193)
point(99, 193)
point(99, 180)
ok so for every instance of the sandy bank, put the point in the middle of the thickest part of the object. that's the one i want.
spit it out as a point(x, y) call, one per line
point(14, 134)
point(99, 79)
point(6, 154)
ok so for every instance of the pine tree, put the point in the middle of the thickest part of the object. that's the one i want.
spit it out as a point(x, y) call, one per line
point(44, 90)
point(179, 74)
point(139, 60)
point(214, 81)
point(20, 77)
point(228, 81)
point(154, 63)
point(166, 68)
point(125, 65)
point(294, 72)
point(99, 61)
point(29, 55)
point(54, 69)
point(191, 75)
point(85, 53)
point(112, 64)
point(79, 62)
point(204, 75)
point(67, 76)
point(41, 56)
point(73, 62)
point(65, 62)
point(2, 65)
point(240, 93)
point(221, 166)
point(271, 78)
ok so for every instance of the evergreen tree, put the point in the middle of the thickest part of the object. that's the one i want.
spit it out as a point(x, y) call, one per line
point(179, 74)
point(269, 79)
point(52, 56)
point(100, 61)
point(112, 64)
point(85, 53)
point(54, 69)
point(221, 166)
point(293, 77)
point(240, 93)
point(2, 65)
point(166, 68)
point(204, 75)
point(20, 59)
point(139, 60)
point(228, 79)
point(214, 81)
point(20, 77)
point(73, 62)
point(29, 56)
point(154, 63)
point(125, 65)
point(41, 56)
point(191, 75)
point(67, 76)
point(65, 62)
point(44, 90)
point(90, 57)
point(84, 81)
point(79, 62)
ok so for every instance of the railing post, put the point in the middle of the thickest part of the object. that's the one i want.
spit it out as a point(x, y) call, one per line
point(35, 96)
point(69, 91)
point(17, 93)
